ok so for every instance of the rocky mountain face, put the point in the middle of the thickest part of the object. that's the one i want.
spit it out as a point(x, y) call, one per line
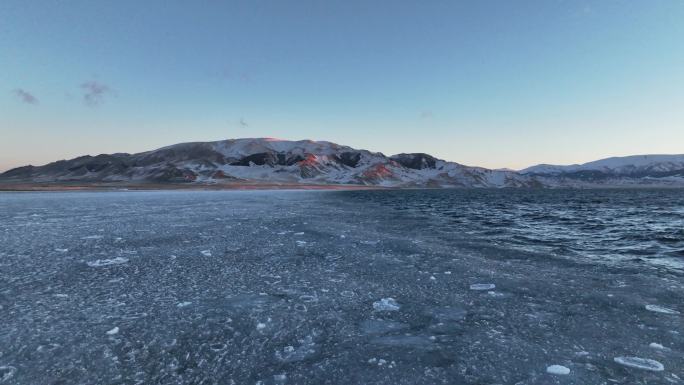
point(319, 162)
point(268, 160)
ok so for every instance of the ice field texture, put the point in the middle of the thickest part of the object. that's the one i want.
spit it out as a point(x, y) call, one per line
point(342, 287)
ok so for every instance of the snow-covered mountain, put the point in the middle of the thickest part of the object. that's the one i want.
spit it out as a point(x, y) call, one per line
point(269, 160)
point(628, 170)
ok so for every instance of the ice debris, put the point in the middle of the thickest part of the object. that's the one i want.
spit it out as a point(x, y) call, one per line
point(113, 331)
point(640, 363)
point(482, 286)
point(386, 304)
point(7, 372)
point(661, 309)
point(107, 262)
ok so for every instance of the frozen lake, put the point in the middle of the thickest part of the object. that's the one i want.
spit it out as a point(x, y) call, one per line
point(355, 287)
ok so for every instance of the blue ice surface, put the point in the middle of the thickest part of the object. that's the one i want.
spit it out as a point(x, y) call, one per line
point(279, 287)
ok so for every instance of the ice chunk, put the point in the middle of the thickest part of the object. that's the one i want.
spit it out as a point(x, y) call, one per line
point(47, 348)
point(558, 370)
point(656, 346)
point(482, 286)
point(107, 262)
point(661, 309)
point(206, 253)
point(7, 372)
point(386, 304)
point(304, 351)
point(183, 304)
point(640, 363)
point(113, 331)
point(61, 250)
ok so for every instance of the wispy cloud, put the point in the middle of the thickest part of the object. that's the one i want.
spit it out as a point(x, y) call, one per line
point(94, 93)
point(243, 123)
point(426, 114)
point(25, 96)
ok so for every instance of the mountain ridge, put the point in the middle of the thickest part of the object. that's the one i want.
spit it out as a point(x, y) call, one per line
point(272, 160)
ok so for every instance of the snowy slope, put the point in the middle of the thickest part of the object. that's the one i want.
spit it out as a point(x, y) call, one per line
point(617, 165)
point(643, 170)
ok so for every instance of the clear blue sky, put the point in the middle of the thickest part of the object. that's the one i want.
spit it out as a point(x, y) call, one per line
point(482, 82)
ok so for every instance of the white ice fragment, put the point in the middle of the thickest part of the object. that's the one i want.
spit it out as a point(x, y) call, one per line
point(432, 278)
point(661, 309)
point(301, 243)
point(656, 346)
point(447, 272)
point(279, 378)
point(386, 304)
point(260, 326)
point(107, 262)
point(206, 253)
point(113, 331)
point(183, 304)
point(61, 250)
point(482, 286)
point(302, 233)
point(559, 370)
point(640, 363)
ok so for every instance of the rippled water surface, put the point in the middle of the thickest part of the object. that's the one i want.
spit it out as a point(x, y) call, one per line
point(361, 287)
